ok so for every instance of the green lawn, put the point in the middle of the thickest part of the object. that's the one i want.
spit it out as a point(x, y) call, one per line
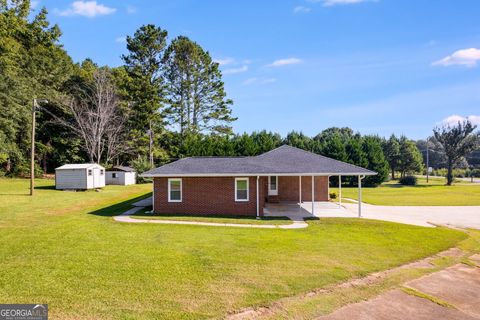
point(145, 214)
point(64, 249)
point(435, 193)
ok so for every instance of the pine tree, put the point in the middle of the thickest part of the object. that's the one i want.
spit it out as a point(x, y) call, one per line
point(144, 86)
point(391, 150)
point(197, 100)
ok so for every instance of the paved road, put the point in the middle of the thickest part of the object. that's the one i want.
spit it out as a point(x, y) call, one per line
point(458, 287)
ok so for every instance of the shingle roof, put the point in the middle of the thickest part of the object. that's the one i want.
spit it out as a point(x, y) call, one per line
point(122, 168)
point(283, 160)
point(79, 166)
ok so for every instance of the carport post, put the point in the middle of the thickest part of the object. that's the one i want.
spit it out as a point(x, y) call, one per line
point(360, 195)
point(313, 195)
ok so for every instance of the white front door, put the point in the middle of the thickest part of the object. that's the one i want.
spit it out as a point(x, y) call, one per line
point(273, 185)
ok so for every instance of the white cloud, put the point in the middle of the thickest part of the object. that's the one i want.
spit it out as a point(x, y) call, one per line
point(235, 70)
point(251, 81)
point(455, 118)
point(122, 39)
point(284, 62)
point(131, 9)
point(464, 57)
point(224, 61)
point(301, 9)
point(86, 8)
point(330, 3)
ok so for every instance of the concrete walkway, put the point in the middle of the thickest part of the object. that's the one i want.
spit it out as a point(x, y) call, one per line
point(452, 293)
point(297, 223)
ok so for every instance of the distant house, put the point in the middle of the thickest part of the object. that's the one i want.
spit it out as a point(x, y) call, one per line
point(121, 175)
point(243, 185)
point(80, 176)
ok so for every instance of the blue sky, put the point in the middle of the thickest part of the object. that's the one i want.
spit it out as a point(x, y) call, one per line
point(381, 67)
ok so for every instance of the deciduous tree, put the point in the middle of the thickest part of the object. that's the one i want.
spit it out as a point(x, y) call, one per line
point(457, 141)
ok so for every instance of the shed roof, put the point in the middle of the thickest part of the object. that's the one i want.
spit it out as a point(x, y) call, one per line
point(122, 168)
point(284, 160)
point(79, 166)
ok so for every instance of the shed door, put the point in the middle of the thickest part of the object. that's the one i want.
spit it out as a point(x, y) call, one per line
point(273, 185)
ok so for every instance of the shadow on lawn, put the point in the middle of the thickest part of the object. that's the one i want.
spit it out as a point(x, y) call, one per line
point(118, 208)
point(146, 213)
point(399, 186)
point(45, 188)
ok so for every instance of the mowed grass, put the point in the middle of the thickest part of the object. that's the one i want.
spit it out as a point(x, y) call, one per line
point(435, 193)
point(64, 249)
point(146, 214)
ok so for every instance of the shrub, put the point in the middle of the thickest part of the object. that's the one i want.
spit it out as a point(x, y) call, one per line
point(141, 164)
point(408, 181)
point(333, 195)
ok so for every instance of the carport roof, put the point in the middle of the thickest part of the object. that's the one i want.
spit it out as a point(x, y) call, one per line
point(284, 160)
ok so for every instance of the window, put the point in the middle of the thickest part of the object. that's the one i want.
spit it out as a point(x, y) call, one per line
point(241, 189)
point(101, 172)
point(114, 175)
point(89, 172)
point(273, 183)
point(174, 190)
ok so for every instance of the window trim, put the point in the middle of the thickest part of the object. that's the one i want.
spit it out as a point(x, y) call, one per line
point(270, 183)
point(169, 189)
point(248, 190)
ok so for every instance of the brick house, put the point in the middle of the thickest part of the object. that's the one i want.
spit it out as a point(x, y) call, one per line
point(243, 185)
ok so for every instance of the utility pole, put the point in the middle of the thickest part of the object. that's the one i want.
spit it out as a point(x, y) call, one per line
point(428, 166)
point(32, 147)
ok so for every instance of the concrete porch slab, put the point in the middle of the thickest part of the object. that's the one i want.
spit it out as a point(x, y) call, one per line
point(296, 211)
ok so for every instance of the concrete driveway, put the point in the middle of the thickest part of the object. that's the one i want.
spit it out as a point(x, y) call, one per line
point(463, 217)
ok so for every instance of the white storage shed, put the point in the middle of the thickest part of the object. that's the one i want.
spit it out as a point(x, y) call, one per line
point(121, 175)
point(80, 176)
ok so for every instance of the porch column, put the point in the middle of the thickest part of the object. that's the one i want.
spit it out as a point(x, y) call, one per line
point(340, 189)
point(360, 196)
point(313, 195)
point(258, 199)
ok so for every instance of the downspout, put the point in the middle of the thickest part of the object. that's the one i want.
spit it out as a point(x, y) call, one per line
point(258, 199)
point(153, 195)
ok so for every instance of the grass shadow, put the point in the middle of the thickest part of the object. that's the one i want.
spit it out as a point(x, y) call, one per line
point(118, 208)
point(420, 186)
point(45, 188)
point(147, 213)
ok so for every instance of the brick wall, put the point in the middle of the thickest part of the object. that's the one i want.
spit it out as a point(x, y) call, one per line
point(288, 188)
point(209, 195)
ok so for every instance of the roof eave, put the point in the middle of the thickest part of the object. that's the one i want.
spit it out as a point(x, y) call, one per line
point(237, 174)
